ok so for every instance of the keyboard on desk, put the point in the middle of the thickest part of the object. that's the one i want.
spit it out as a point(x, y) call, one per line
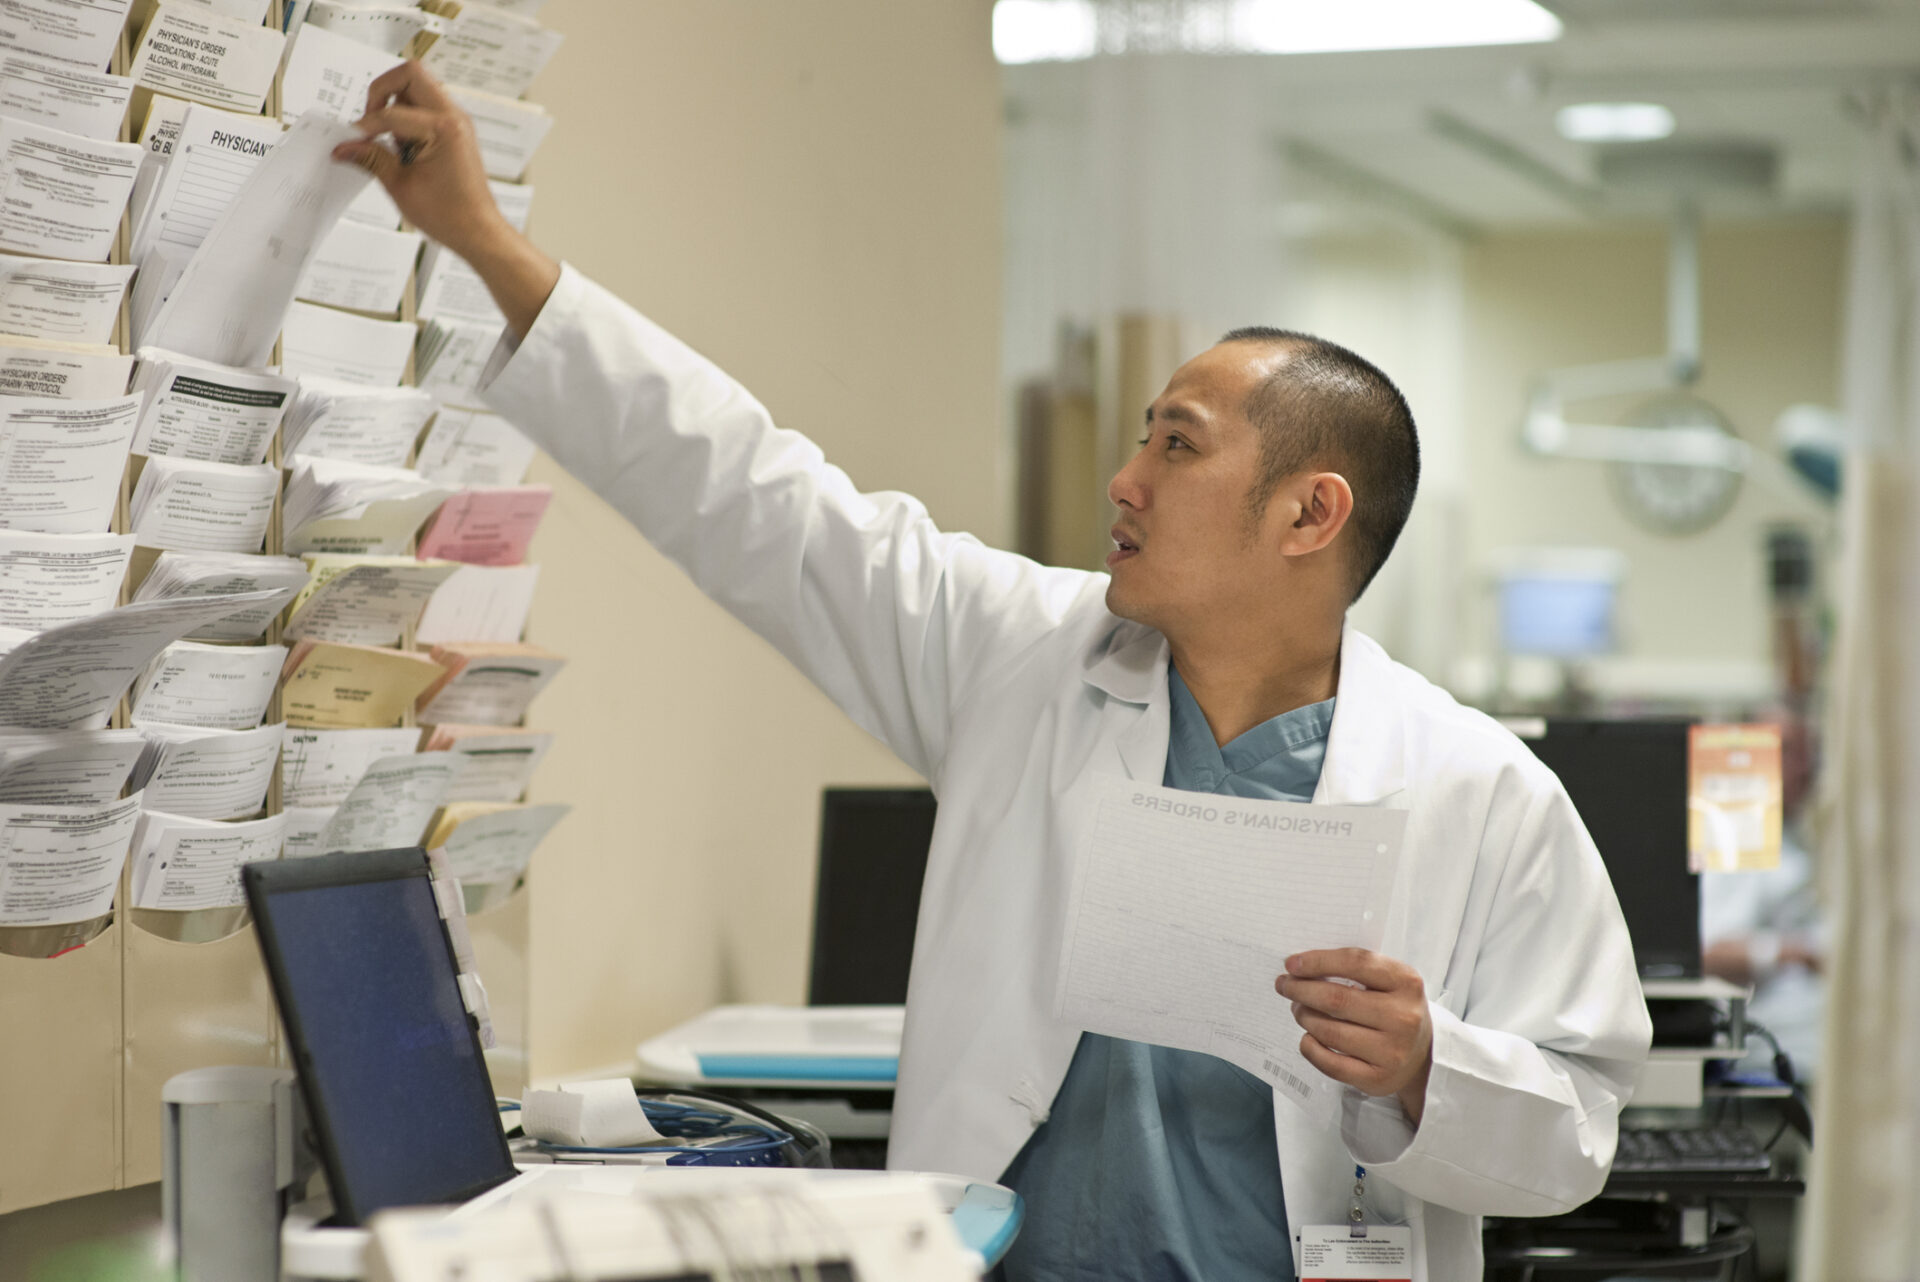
point(1691, 1148)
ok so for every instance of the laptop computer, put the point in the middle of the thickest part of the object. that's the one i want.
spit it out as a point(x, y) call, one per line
point(388, 1059)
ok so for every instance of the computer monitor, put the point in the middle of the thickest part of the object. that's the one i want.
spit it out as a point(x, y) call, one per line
point(388, 1059)
point(873, 857)
point(1628, 780)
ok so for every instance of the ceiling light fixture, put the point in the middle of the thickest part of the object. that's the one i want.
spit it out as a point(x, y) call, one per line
point(1614, 122)
point(1068, 30)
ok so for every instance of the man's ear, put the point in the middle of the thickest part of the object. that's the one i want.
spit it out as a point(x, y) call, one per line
point(1320, 504)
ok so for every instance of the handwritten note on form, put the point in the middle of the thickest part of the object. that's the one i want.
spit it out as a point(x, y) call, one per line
point(1186, 906)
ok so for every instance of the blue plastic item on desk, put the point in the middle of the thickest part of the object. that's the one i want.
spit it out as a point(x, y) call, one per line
point(822, 1068)
point(987, 1219)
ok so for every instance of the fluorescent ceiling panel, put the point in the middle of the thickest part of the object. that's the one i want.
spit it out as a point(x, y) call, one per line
point(1614, 121)
point(1065, 30)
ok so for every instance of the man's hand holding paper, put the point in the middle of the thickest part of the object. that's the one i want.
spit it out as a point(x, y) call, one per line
point(1366, 1021)
point(1187, 906)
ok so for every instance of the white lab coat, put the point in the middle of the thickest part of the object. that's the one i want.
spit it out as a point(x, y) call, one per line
point(1010, 687)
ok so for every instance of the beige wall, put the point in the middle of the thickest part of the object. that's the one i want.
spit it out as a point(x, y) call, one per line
point(810, 194)
point(1693, 609)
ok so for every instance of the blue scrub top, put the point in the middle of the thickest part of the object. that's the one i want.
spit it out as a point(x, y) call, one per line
point(1159, 1165)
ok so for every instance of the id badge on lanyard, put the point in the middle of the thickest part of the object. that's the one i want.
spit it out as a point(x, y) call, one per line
point(1356, 1251)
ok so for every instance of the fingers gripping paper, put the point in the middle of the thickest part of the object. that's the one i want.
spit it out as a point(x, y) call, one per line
point(1186, 906)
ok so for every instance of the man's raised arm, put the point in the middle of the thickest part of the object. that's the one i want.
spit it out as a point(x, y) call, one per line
point(436, 176)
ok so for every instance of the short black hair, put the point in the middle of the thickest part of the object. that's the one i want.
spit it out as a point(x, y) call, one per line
point(1325, 404)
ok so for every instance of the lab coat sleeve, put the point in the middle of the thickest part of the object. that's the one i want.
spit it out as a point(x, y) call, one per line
point(891, 617)
point(1523, 1103)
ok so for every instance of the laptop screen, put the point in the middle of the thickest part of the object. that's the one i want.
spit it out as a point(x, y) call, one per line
point(388, 1060)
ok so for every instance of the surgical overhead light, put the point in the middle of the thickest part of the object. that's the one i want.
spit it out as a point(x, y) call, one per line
point(1614, 122)
point(1068, 30)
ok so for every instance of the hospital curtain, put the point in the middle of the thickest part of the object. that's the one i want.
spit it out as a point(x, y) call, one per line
point(1863, 1221)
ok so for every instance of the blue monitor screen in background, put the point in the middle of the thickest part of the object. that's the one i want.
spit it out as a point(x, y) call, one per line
point(388, 1057)
point(1561, 617)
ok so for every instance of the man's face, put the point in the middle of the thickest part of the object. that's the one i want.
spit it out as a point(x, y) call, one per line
point(1187, 546)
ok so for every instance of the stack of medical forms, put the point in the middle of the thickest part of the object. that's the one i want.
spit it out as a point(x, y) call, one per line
point(206, 343)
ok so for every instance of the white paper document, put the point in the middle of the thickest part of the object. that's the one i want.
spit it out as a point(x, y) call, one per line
point(361, 268)
point(372, 425)
point(340, 345)
point(305, 826)
point(208, 413)
point(77, 31)
point(499, 765)
point(77, 99)
point(71, 302)
point(497, 846)
point(203, 507)
point(208, 157)
point(389, 27)
point(329, 73)
point(199, 574)
point(60, 462)
point(62, 863)
point(336, 506)
point(207, 774)
point(66, 767)
point(64, 192)
point(480, 603)
point(221, 687)
point(452, 359)
point(392, 804)
point(364, 600)
point(234, 294)
point(509, 131)
point(182, 863)
point(1186, 905)
point(192, 51)
point(321, 767)
point(467, 447)
point(492, 51)
point(72, 371)
point(69, 677)
point(451, 290)
point(50, 579)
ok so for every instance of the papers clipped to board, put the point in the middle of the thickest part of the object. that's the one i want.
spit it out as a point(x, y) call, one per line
point(66, 767)
point(60, 461)
point(47, 580)
point(207, 773)
point(360, 424)
point(473, 447)
point(335, 686)
point(69, 677)
point(333, 505)
point(193, 51)
point(500, 761)
point(62, 864)
point(177, 575)
point(364, 600)
point(68, 302)
point(391, 805)
point(203, 507)
point(226, 687)
point(77, 33)
point(182, 863)
point(490, 841)
point(487, 683)
point(65, 191)
point(204, 412)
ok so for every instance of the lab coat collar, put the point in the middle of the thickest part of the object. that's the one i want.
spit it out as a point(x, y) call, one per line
point(1366, 747)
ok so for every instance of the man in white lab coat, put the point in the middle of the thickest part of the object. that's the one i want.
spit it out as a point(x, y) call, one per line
point(1486, 1049)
